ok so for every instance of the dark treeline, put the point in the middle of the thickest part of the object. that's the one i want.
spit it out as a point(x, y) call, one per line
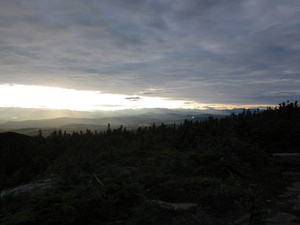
point(223, 165)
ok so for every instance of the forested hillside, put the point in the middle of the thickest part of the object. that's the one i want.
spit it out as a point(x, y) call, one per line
point(223, 166)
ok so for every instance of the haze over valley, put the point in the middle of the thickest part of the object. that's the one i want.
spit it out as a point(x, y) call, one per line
point(20, 120)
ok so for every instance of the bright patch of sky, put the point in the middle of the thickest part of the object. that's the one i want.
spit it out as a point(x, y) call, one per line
point(25, 96)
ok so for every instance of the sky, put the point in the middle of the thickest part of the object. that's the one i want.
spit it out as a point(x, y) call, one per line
point(116, 54)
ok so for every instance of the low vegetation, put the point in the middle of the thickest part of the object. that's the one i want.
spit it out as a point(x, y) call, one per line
point(224, 166)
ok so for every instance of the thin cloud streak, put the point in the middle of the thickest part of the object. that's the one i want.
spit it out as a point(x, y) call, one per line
point(208, 52)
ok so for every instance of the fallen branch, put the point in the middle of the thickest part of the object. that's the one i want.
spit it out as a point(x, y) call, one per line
point(98, 179)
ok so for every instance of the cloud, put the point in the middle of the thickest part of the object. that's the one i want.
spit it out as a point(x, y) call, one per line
point(204, 51)
point(133, 98)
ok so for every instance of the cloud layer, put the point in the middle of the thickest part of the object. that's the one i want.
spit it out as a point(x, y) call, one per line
point(228, 51)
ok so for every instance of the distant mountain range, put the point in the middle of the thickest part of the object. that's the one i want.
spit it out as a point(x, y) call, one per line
point(29, 121)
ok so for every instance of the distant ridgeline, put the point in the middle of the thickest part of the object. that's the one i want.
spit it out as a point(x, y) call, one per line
point(120, 176)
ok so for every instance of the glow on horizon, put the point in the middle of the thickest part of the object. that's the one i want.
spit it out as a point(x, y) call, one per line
point(29, 96)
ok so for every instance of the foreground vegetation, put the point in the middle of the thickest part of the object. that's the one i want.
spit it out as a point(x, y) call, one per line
point(119, 176)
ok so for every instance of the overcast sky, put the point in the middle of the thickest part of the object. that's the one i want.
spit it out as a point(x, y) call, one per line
point(207, 51)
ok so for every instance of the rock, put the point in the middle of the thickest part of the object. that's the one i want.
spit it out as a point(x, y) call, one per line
point(31, 188)
point(176, 206)
point(296, 207)
point(281, 218)
point(286, 155)
point(242, 220)
point(295, 187)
